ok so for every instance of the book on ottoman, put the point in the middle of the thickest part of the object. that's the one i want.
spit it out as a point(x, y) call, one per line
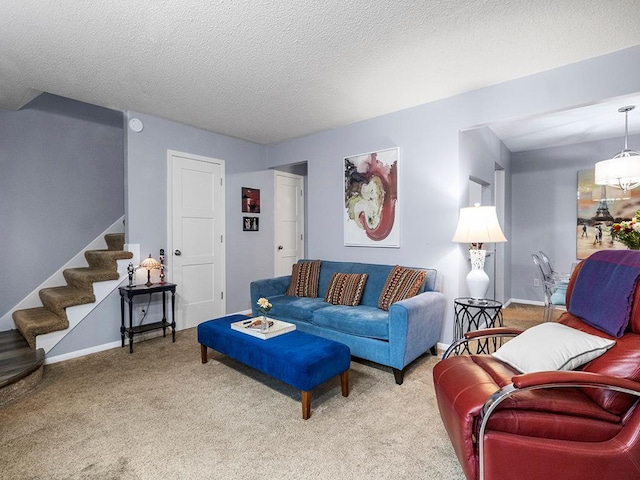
point(253, 326)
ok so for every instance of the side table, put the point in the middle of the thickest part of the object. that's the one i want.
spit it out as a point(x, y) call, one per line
point(471, 314)
point(128, 294)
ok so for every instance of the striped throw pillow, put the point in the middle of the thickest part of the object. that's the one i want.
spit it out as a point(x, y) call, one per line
point(346, 288)
point(401, 283)
point(304, 279)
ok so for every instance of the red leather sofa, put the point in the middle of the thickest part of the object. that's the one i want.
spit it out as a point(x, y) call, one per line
point(582, 424)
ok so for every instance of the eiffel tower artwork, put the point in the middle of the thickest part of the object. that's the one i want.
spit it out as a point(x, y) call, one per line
point(602, 213)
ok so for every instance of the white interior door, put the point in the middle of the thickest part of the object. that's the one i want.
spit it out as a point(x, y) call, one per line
point(289, 219)
point(196, 251)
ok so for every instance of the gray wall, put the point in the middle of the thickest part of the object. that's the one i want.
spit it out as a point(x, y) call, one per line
point(146, 207)
point(432, 181)
point(544, 206)
point(62, 184)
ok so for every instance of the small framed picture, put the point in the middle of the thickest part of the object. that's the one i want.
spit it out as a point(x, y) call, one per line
point(250, 200)
point(250, 224)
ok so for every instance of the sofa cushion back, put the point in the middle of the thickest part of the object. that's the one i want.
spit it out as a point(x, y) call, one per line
point(375, 283)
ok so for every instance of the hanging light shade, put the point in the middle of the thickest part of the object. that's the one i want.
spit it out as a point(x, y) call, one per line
point(623, 170)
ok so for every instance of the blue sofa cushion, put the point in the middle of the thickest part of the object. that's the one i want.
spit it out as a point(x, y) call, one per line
point(362, 321)
point(300, 308)
point(377, 276)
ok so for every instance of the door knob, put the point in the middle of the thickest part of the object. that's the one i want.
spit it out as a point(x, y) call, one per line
point(280, 247)
point(177, 253)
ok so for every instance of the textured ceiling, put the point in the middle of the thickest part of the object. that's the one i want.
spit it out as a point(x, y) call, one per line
point(267, 71)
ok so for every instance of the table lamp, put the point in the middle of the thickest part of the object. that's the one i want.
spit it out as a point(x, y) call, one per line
point(478, 225)
point(149, 263)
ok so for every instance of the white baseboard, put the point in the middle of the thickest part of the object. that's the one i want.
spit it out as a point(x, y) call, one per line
point(117, 344)
point(526, 302)
point(81, 353)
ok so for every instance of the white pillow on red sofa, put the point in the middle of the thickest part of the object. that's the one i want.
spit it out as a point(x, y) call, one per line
point(551, 346)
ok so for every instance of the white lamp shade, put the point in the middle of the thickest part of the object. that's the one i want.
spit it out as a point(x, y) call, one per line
point(620, 172)
point(478, 225)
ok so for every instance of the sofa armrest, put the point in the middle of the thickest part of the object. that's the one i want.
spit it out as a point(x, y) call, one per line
point(414, 326)
point(553, 379)
point(268, 287)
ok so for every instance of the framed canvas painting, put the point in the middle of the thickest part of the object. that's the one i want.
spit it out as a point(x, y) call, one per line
point(250, 200)
point(599, 207)
point(371, 199)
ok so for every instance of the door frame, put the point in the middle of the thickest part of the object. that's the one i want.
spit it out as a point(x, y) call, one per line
point(302, 206)
point(169, 250)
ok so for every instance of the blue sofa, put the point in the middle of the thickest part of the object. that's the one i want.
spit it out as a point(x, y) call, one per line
point(393, 338)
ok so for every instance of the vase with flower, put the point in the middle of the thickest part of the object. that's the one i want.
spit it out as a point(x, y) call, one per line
point(263, 308)
point(628, 232)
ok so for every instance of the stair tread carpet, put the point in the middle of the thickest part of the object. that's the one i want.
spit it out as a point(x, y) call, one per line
point(84, 277)
point(59, 298)
point(38, 321)
point(106, 258)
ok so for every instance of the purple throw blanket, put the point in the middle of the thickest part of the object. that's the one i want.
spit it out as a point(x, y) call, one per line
point(604, 290)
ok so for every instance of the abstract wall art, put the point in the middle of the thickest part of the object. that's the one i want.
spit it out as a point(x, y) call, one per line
point(371, 199)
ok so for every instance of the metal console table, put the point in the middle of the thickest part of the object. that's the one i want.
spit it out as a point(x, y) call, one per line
point(128, 294)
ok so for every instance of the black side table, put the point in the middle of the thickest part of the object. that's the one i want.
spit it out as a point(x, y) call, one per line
point(128, 293)
point(471, 314)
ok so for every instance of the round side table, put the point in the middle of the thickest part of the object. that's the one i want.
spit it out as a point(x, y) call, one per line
point(473, 314)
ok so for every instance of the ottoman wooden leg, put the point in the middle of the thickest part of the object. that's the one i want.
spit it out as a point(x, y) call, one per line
point(344, 382)
point(203, 353)
point(306, 404)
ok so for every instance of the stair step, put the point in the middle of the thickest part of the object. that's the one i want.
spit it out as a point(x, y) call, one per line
point(106, 259)
point(38, 321)
point(84, 277)
point(57, 299)
point(115, 241)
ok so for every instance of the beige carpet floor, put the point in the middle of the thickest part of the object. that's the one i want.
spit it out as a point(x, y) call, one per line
point(525, 316)
point(159, 413)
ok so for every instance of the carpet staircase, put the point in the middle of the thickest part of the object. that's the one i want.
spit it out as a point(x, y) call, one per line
point(19, 357)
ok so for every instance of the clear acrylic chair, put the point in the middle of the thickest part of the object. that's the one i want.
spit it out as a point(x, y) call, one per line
point(554, 285)
point(550, 270)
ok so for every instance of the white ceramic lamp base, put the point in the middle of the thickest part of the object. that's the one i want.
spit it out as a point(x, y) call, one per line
point(477, 279)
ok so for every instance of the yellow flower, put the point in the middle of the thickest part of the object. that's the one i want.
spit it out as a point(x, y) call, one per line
point(264, 304)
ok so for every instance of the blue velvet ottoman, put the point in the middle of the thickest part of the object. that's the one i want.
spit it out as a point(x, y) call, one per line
point(301, 360)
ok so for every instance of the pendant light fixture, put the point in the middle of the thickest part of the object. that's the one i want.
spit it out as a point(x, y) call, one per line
point(623, 170)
